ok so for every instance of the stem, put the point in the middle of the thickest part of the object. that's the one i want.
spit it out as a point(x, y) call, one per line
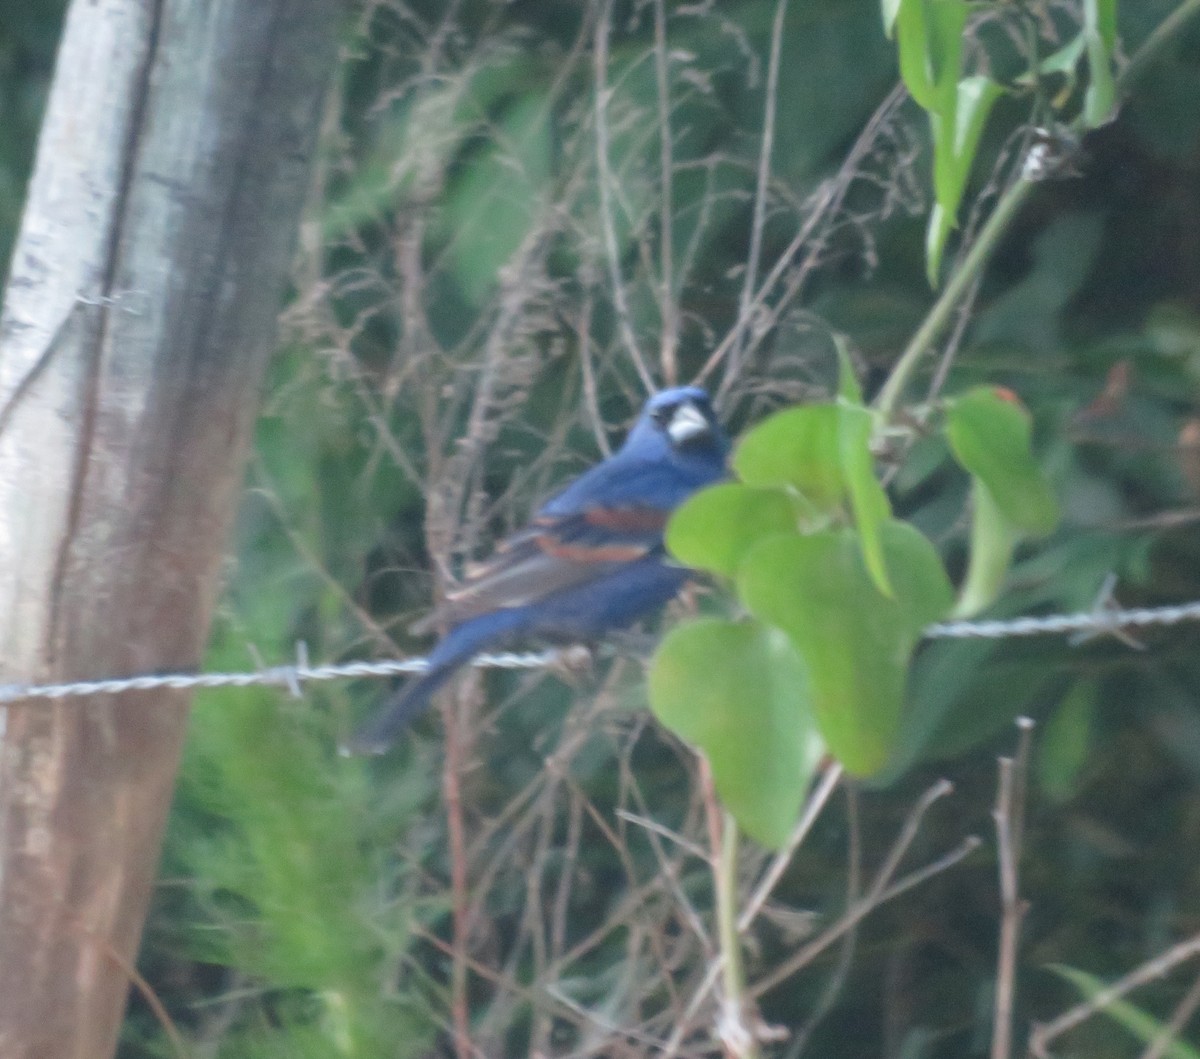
point(960, 282)
point(766, 145)
point(1043, 1035)
point(1154, 43)
point(737, 1037)
point(1009, 816)
point(669, 309)
point(452, 770)
point(603, 181)
point(997, 224)
point(816, 802)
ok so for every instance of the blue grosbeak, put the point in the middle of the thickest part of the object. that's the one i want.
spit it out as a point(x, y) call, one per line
point(591, 561)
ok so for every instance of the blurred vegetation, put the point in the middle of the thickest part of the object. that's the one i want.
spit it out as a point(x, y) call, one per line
point(455, 346)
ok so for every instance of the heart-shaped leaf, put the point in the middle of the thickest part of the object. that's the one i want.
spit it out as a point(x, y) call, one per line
point(867, 497)
point(823, 452)
point(989, 432)
point(992, 542)
point(717, 526)
point(798, 447)
point(855, 641)
point(737, 691)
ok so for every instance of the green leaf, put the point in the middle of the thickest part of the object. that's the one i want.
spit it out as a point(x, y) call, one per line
point(990, 433)
point(942, 676)
point(992, 542)
point(1145, 1027)
point(929, 39)
point(912, 38)
point(1063, 61)
point(1065, 741)
point(800, 447)
point(956, 130)
point(1100, 32)
point(889, 9)
point(737, 691)
point(867, 496)
point(717, 526)
point(961, 693)
point(855, 642)
point(946, 20)
point(848, 388)
point(823, 452)
point(1105, 19)
point(941, 224)
point(974, 101)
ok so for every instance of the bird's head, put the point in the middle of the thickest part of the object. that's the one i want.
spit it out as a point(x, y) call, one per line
point(683, 419)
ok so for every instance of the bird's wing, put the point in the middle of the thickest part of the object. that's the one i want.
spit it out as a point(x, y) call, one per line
point(624, 481)
point(553, 553)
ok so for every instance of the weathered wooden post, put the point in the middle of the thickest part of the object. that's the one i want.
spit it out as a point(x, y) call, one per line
point(140, 310)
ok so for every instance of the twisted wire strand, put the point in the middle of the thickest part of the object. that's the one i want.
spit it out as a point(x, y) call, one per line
point(1101, 620)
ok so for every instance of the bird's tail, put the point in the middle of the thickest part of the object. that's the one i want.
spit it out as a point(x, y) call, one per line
point(458, 647)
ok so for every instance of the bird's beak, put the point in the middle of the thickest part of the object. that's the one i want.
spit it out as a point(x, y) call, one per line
point(687, 422)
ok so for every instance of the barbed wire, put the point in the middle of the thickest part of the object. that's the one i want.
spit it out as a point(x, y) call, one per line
point(1095, 622)
point(1104, 618)
point(291, 676)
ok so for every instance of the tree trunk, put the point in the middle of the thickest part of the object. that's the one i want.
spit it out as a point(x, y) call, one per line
point(140, 310)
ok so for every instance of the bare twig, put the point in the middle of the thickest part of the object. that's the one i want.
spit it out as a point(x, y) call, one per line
point(758, 222)
point(841, 970)
point(1180, 1017)
point(855, 916)
point(146, 992)
point(908, 834)
point(734, 1024)
point(668, 306)
point(452, 768)
point(1009, 816)
point(1044, 1034)
point(822, 207)
point(604, 182)
point(591, 399)
point(816, 802)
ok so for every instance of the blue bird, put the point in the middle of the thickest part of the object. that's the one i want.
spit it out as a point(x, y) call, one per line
point(591, 561)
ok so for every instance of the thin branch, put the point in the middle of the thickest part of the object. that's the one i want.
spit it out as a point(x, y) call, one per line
point(908, 834)
point(997, 225)
point(823, 206)
point(960, 282)
point(147, 992)
point(1042, 1035)
point(732, 1029)
point(855, 916)
point(452, 768)
point(1162, 34)
point(841, 969)
point(603, 180)
point(667, 303)
point(679, 1031)
point(816, 802)
point(1180, 1017)
point(1009, 816)
point(655, 828)
point(671, 870)
point(746, 299)
point(591, 399)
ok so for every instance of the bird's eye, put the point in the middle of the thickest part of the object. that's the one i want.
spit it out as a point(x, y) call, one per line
point(663, 415)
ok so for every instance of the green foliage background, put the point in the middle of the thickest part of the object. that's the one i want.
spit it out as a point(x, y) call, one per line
point(454, 248)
